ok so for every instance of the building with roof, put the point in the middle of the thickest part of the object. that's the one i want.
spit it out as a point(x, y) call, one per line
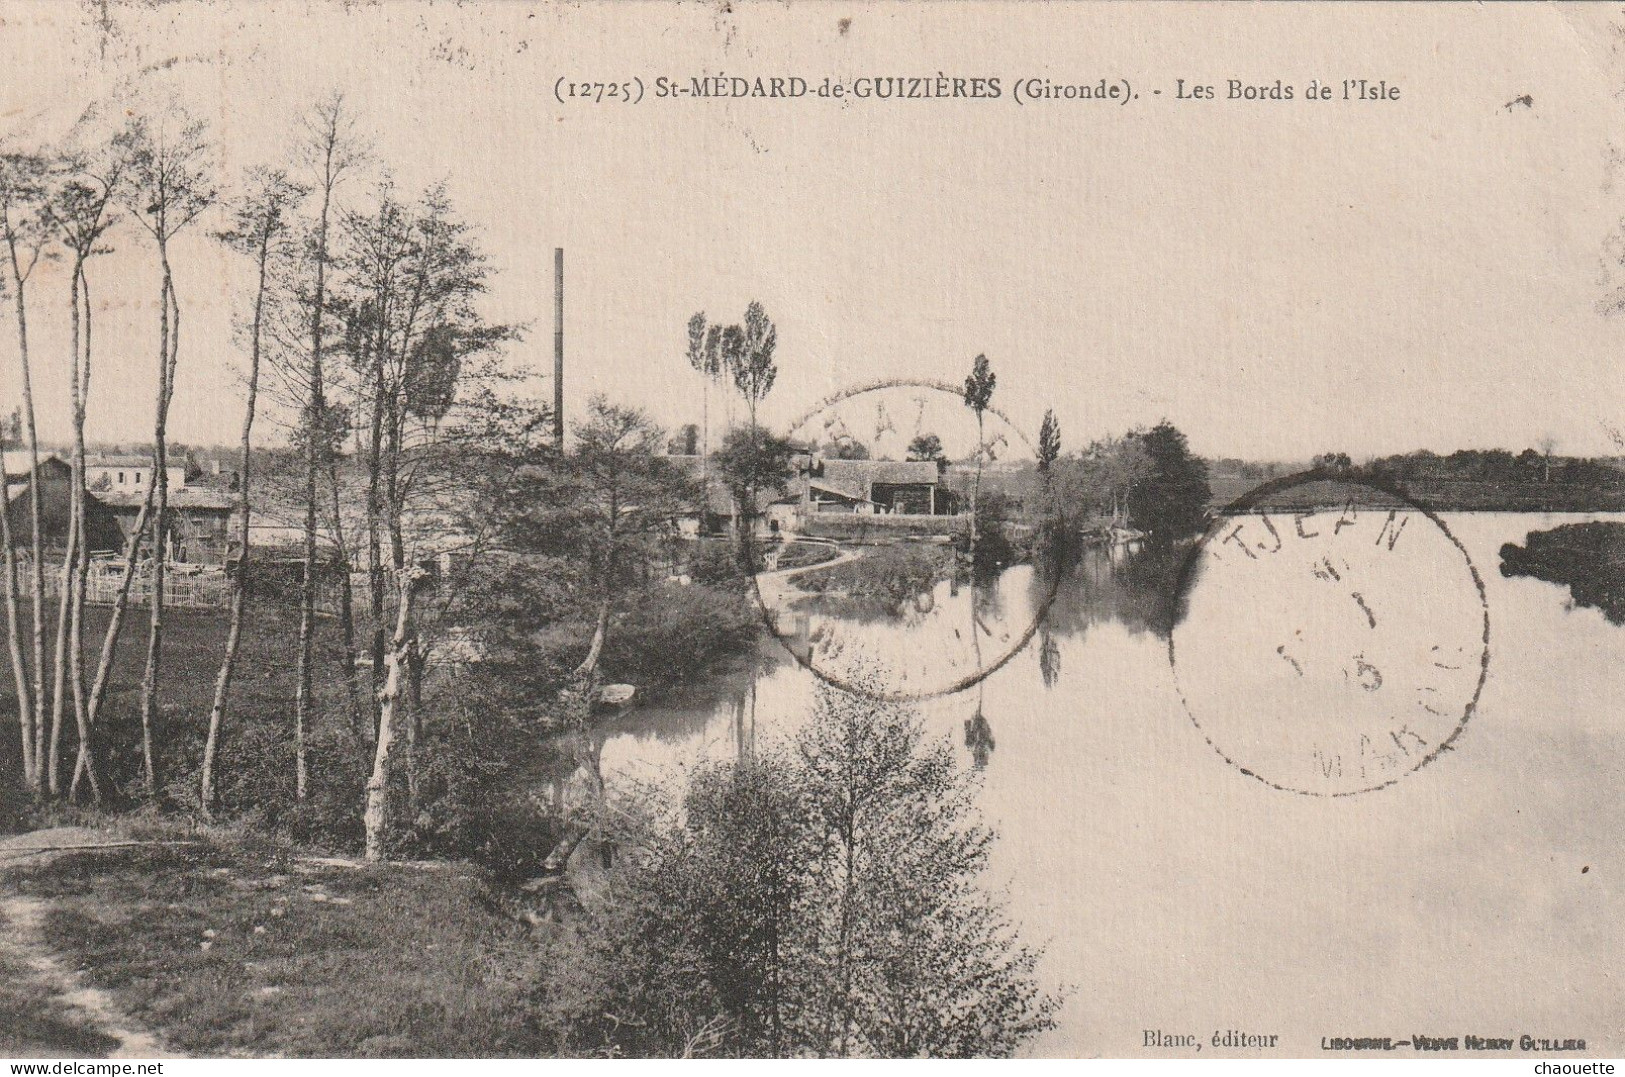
point(199, 521)
point(824, 486)
point(117, 487)
point(126, 474)
point(900, 487)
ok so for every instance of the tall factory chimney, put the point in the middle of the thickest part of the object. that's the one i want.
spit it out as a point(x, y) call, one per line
point(558, 348)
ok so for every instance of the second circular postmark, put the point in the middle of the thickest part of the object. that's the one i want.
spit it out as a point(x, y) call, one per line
point(1333, 636)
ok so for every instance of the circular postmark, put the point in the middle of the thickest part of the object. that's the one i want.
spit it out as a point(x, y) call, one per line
point(1333, 636)
point(950, 636)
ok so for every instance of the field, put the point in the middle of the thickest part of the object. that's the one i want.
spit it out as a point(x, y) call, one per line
point(193, 644)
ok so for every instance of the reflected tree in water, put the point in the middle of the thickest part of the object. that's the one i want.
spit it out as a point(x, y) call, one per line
point(1128, 584)
point(1049, 656)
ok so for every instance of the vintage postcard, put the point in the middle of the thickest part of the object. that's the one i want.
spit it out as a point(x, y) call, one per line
point(833, 529)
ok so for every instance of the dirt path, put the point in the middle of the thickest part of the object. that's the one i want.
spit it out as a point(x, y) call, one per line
point(49, 1009)
point(775, 586)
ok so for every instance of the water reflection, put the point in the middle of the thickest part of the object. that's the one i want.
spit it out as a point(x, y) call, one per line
point(1116, 818)
point(979, 738)
point(1129, 584)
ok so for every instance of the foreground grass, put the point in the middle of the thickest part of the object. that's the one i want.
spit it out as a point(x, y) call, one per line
point(248, 951)
point(30, 1027)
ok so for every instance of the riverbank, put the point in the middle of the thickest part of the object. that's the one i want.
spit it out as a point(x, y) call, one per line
point(1588, 558)
point(1436, 495)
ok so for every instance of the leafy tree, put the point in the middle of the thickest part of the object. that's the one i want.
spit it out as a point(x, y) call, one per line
point(978, 396)
point(417, 344)
point(750, 351)
point(845, 448)
point(706, 357)
point(754, 461)
point(820, 899)
point(1171, 500)
point(925, 447)
point(1332, 463)
point(686, 442)
point(607, 506)
point(1049, 440)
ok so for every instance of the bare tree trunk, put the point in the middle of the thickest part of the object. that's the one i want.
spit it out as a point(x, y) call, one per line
point(976, 493)
point(595, 651)
point(76, 614)
point(14, 642)
point(375, 523)
point(208, 795)
point(37, 544)
point(115, 623)
point(68, 606)
point(85, 762)
point(348, 671)
point(168, 336)
point(307, 625)
point(59, 672)
point(315, 425)
point(377, 811)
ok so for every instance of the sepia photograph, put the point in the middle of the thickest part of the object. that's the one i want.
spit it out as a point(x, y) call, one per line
point(823, 530)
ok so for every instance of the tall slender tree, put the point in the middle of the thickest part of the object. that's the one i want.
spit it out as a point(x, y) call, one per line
point(754, 368)
point(261, 220)
point(331, 151)
point(82, 213)
point(418, 344)
point(14, 629)
point(978, 397)
point(169, 188)
point(1049, 440)
point(380, 244)
point(25, 181)
point(705, 356)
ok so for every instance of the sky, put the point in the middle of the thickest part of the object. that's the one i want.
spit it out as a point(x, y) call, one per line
point(1278, 279)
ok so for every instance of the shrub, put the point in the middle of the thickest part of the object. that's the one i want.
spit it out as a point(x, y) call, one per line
point(718, 563)
point(475, 760)
point(669, 632)
point(825, 897)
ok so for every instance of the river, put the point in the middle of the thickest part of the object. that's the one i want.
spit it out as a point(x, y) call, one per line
point(1175, 893)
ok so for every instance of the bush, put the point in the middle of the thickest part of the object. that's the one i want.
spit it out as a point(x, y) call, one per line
point(259, 776)
point(476, 762)
point(825, 897)
point(670, 632)
point(718, 563)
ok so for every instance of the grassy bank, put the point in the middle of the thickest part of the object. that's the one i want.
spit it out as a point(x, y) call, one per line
point(249, 951)
point(881, 578)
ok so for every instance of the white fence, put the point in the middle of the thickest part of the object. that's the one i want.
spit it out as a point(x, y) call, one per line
point(185, 585)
